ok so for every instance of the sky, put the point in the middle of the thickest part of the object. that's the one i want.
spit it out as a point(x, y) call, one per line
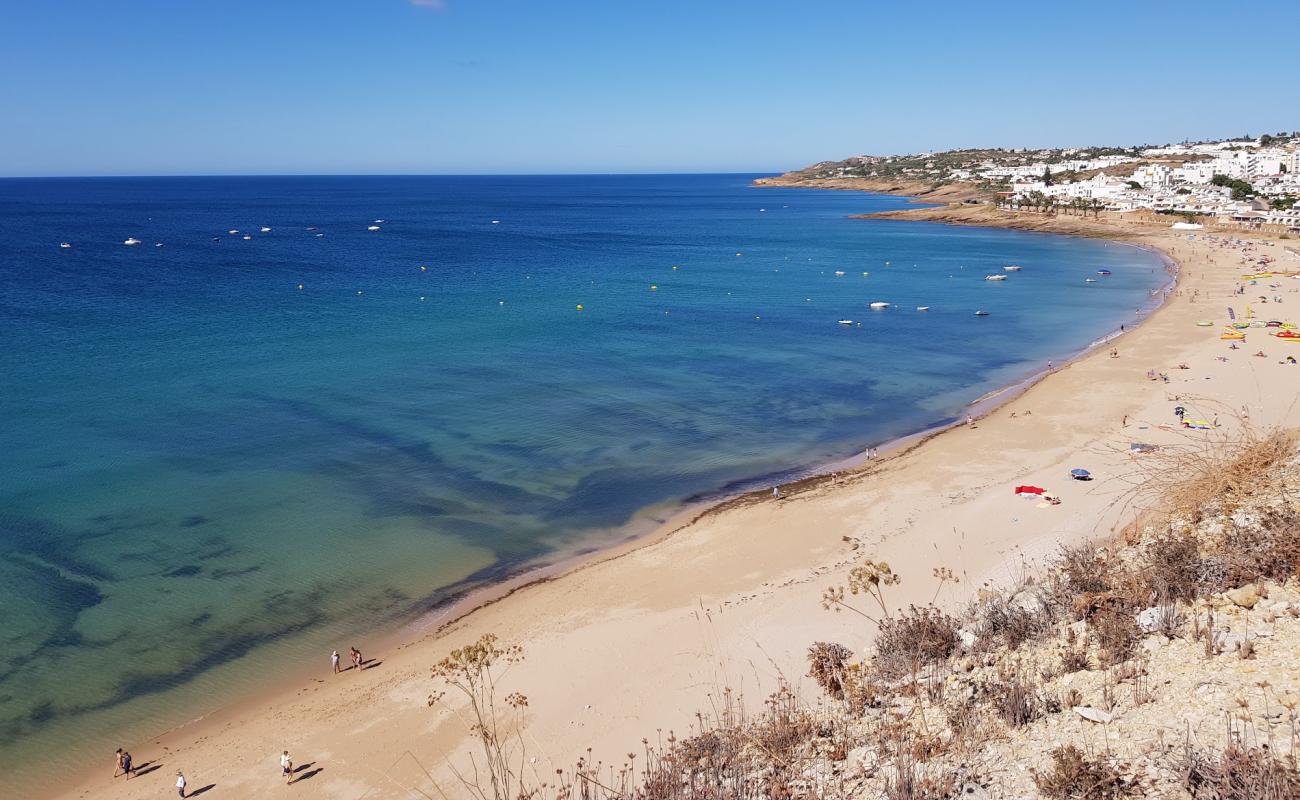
point(167, 87)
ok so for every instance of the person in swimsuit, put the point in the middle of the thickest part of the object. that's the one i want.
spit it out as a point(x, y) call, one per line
point(180, 784)
point(286, 767)
point(117, 762)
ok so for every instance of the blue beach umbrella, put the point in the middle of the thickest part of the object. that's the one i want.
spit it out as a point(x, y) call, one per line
point(1080, 474)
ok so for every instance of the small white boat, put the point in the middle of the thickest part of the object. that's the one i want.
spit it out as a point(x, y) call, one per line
point(247, 237)
point(995, 277)
point(157, 244)
point(379, 222)
point(266, 230)
point(496, 222)
point(319, 235)
point(233, 231)
point(879, 306)
point(64, 245)
point(839, 273)
point(311, 227)
point(132, 242)
point(922, 308)
point(1089, 280)
point(373, 228)
point(981, 313)
point(846, 322)
point(1012, 268)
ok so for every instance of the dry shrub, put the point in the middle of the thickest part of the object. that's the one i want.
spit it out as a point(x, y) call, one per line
point(1086, 568)
point(1117, 636)
point(913, 639)
point(1003, 620)
point(1240, 773)
point(1074, 658)
point(1269, 549)
point(1015, 697)
point(1180, 480)
point(1074, 776)
point(1171, 567)
point(826, 664)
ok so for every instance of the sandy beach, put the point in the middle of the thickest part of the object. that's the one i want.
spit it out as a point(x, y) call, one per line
point(631, 645)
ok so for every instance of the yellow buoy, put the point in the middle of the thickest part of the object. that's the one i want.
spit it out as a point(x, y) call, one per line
point(579, 306)
point(865, 274)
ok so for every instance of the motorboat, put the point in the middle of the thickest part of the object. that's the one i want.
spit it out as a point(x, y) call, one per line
point(1012, 268)
point(878, 306)
point(373, 228)
point(266, 229)
point(839, 273)
point(922, 308)
point(247, 237)
point(233, 231)
point(1089, 280)
point(981, 313)
point(132, 242)
point(1103, 272)
point(64, 245)
point(846, 322)
point(995, 277)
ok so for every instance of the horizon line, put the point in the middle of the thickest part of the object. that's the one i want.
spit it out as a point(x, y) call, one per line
point(385, 175)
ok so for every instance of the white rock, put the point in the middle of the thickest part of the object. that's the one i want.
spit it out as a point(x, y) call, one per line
point(1148, 619)
point(1093, 714)
point(1029, 601)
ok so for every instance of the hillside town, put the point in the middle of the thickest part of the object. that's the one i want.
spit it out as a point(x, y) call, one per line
point(1251, 181)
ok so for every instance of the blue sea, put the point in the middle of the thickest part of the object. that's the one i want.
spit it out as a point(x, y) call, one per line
point(223, 455)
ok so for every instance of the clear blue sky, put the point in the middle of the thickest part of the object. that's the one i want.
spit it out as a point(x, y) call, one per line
point(136, 87)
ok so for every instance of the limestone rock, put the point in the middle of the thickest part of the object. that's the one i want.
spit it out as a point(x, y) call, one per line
point(1245, 596)
point(1093, 714)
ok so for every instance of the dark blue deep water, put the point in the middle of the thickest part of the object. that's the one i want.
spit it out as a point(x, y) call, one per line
point(222, 455)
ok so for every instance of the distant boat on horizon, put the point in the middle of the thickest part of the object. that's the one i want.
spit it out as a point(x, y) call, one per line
point(132, 242)
point(64, 245)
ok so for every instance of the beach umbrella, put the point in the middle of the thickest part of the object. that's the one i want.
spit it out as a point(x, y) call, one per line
point(1080, 474)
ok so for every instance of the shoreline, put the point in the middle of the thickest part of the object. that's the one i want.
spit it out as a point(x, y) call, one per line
point(451, 619)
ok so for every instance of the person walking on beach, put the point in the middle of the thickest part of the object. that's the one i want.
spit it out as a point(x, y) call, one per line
point(117, 762)
point(334, 662)
point(356, 657)
point(286, 767)
point(180, 784)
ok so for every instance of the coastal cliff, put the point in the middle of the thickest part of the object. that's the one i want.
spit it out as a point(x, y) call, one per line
point(920, 191)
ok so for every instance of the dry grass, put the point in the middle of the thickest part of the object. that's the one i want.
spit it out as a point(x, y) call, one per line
point(1075, 776)
point(1240, 773)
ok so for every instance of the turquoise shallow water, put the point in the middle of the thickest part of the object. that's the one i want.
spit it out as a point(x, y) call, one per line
point(210, 473)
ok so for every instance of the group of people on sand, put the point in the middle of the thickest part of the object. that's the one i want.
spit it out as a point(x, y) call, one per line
point(354, 654)
point(123, 766)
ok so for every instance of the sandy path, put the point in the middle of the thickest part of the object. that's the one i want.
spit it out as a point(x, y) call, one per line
point(623, 648)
